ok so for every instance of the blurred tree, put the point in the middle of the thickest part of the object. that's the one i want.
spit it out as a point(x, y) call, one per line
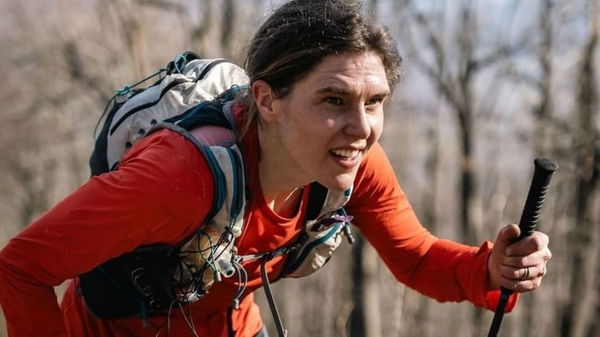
point(200, 30)
point(227, 27)
point(456, 63)
point(454, 66)
point(576, 320)
point(365, 319)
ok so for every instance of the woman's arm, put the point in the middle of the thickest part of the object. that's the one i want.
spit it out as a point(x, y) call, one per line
point(161, 192)
point(441, 269)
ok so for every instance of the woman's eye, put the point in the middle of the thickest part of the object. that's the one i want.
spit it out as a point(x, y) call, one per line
point(374, 101)
point(334, 100)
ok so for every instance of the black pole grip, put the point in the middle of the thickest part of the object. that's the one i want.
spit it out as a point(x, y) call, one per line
point(544, 169)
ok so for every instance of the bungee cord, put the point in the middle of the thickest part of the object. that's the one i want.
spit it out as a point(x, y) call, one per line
point(189, 284)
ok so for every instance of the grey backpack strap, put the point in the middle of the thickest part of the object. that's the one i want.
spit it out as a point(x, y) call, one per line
point(230, 119)
point(228, 173)
point(326, 221)
point(213, 244)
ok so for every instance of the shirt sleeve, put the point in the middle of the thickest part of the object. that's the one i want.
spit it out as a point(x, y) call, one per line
point(441, 269)
point(161, 193)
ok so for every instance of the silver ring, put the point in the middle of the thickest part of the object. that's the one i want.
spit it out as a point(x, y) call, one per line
point(525, 274)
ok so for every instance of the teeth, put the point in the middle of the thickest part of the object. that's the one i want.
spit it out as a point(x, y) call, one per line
point(346, 153)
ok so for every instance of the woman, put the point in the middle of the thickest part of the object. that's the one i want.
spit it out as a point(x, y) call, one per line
point(320, 75)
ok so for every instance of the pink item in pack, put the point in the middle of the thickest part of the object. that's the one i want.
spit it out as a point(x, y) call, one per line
point(214, 135)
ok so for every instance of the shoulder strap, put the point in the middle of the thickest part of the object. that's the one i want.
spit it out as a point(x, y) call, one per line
point(316, 200)
point(227, 170)
point(325, 222)
point(326, 219)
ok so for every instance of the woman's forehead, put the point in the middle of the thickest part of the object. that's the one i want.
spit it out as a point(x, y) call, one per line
point(342, 72)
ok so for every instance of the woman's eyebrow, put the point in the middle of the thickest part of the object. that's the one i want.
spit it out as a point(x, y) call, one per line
point(345, 92)
point(334, 90)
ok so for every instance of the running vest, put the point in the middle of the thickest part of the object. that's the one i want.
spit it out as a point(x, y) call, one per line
point(150, 279)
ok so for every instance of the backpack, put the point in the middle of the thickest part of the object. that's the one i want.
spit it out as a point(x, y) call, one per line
point(190, 96)
point(185, 82)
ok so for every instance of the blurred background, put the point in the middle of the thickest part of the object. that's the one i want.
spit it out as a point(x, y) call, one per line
point(488, 86)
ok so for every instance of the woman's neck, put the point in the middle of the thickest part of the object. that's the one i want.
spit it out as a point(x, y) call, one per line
point(281, 189)
point(285, 205)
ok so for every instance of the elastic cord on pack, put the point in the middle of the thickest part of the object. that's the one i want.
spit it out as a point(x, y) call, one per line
point(242, 282)
point(187, 317)
point(189, 321)
point(176, 61)
point(95, 134)
point(124, 91)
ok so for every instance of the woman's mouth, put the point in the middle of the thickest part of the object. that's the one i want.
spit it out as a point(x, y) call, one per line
point(347, 158)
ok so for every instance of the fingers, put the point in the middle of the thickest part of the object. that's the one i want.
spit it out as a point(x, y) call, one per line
point(518, 266)
point(521, 265)
point(522, 274)
point(507, 236)
point(524, 263)
point(526, 282)
point(536, 258)
point(504, 239)
point(535, 242)
point(530, 252)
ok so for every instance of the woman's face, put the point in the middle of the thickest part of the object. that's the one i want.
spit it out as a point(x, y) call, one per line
point(330, 119)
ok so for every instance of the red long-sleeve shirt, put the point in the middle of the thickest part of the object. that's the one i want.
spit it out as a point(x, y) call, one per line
point(160, 194)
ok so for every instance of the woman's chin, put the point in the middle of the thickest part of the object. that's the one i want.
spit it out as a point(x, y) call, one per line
point(339, 183)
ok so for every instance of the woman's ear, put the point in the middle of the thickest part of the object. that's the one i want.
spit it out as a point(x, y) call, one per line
point(263, 98)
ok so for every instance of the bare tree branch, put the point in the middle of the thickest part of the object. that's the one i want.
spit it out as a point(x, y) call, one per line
point(165, 5)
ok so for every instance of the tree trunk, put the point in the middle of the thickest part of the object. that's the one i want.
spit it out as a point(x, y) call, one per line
point(200, 31)
point(357, 317)
point(430, 217)
point(467, 177)
point(365, 319)
point(227, 24)
point(574, 319)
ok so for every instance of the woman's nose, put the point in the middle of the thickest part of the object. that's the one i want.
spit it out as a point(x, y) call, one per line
point(358, 123)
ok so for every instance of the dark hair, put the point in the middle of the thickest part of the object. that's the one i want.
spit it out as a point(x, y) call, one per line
point(298, 35)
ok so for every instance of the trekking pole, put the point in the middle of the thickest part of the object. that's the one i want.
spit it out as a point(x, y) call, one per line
point(544, 168)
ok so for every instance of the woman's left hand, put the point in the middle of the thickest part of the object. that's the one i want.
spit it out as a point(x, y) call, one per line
point(518, 266)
